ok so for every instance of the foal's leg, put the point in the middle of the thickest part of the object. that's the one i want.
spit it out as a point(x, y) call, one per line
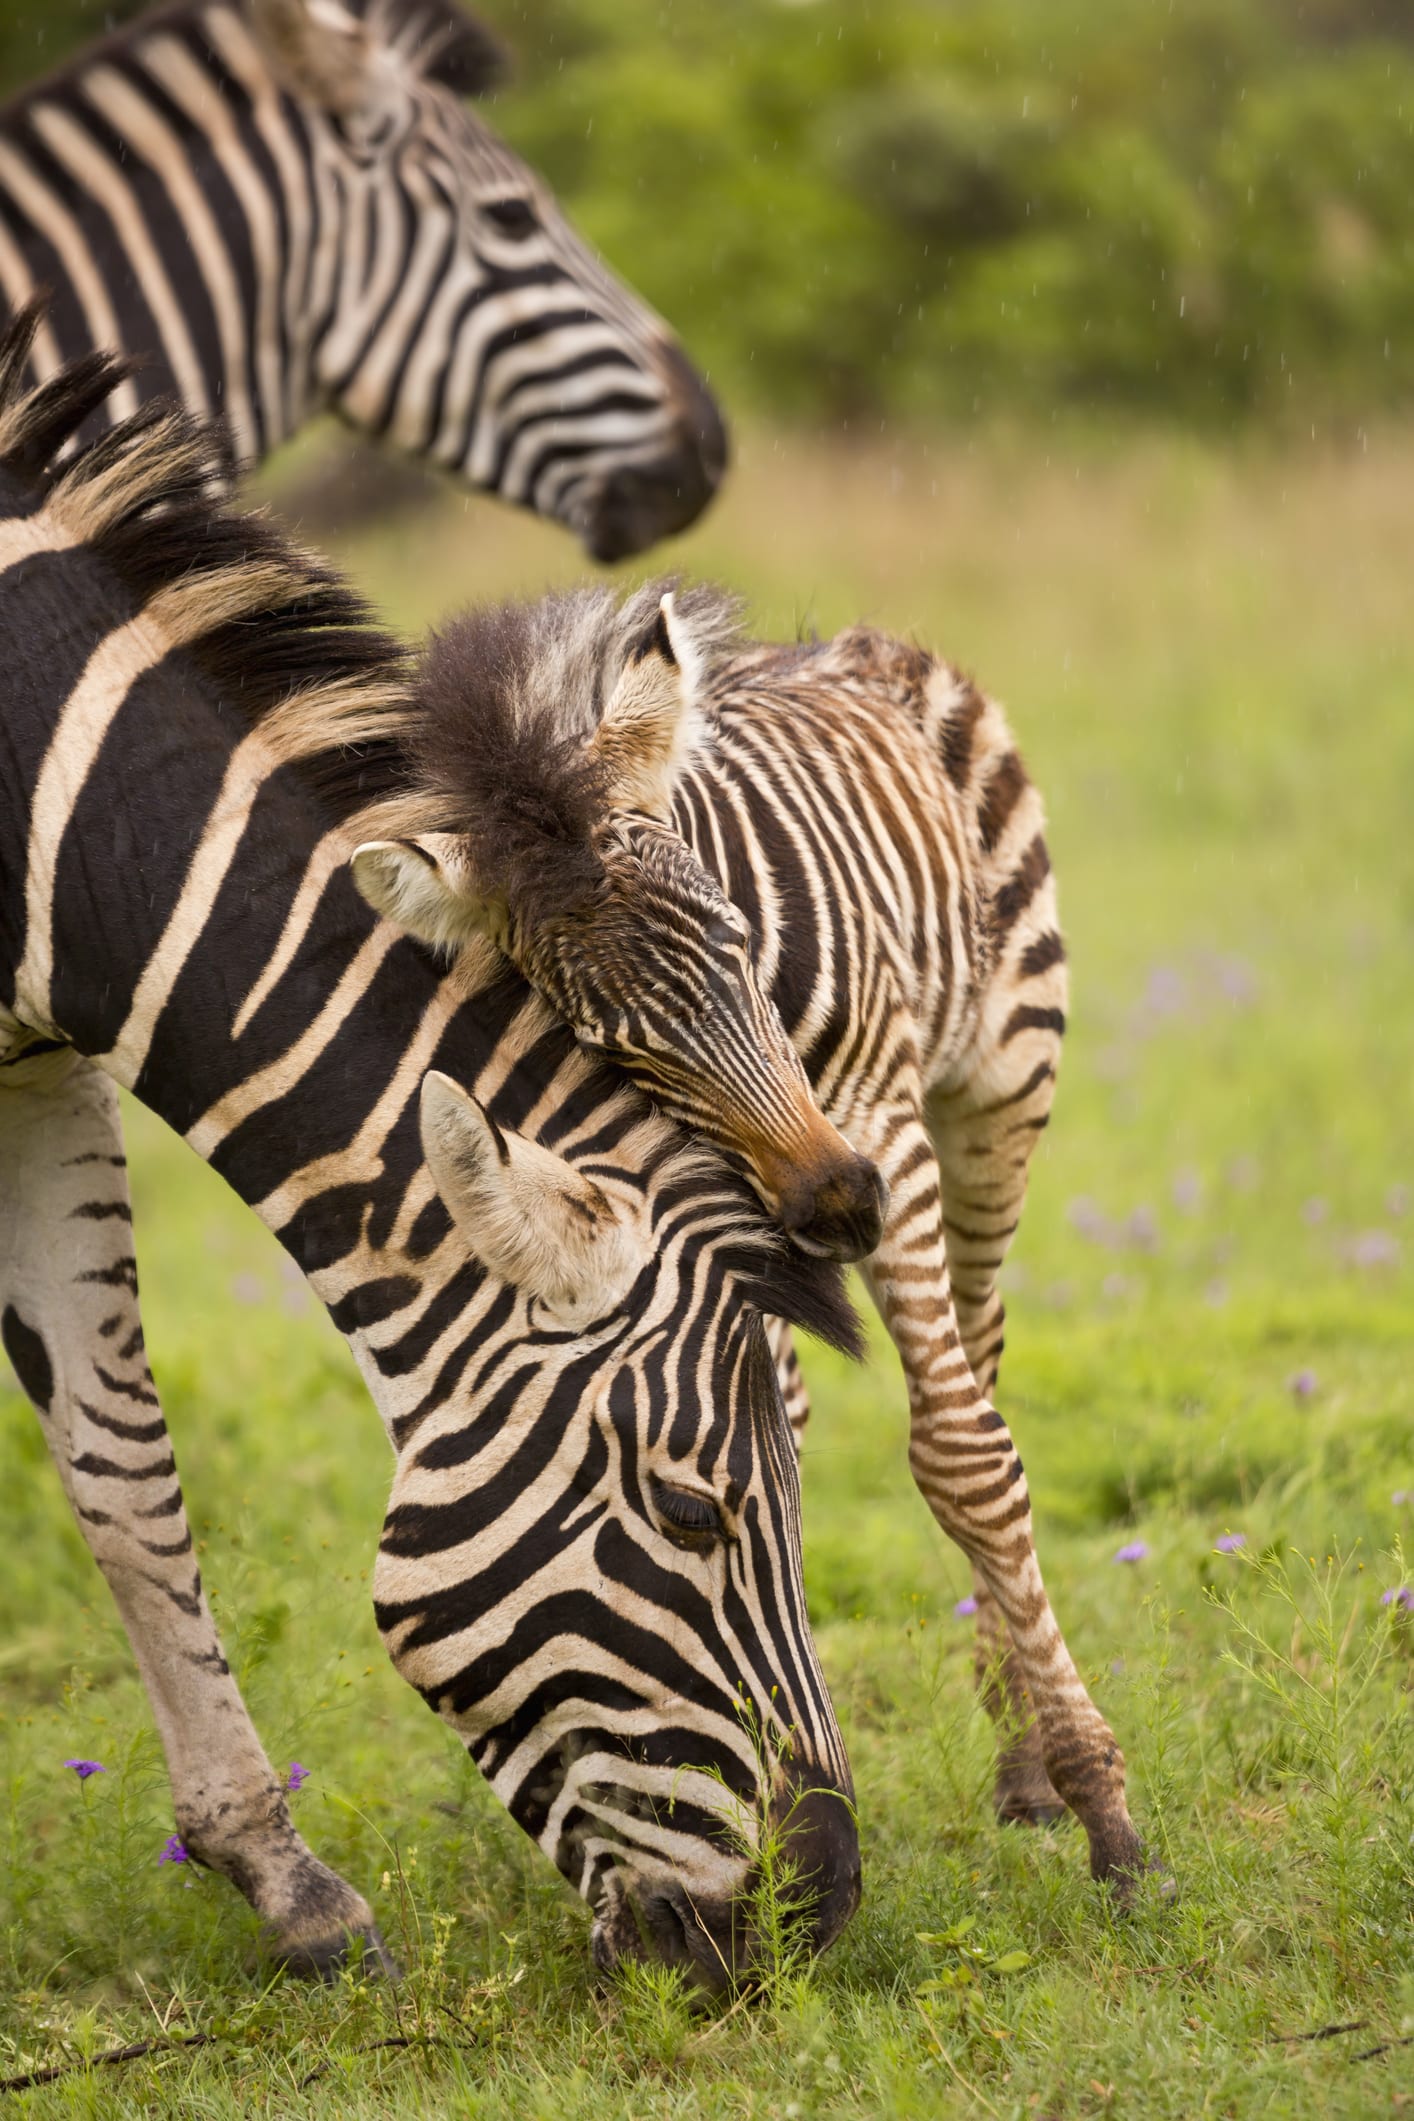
point(968, 1472)
point(71, 1327)
point(985, 1122)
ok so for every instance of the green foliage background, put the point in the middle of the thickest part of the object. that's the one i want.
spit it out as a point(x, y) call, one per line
point(1202, 209)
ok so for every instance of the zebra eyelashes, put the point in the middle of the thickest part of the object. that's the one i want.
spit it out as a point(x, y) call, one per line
point(688, 1516)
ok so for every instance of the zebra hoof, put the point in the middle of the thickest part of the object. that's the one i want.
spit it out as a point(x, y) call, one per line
point(1129, 1873)
point(361, 1951)
point(1035, 1811)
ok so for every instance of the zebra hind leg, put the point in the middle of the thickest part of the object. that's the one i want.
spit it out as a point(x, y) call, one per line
point(967, 1469)
point(71, 1326)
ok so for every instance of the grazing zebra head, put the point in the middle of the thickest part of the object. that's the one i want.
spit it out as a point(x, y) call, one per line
point(592, 1570)
point(281, 205)
point(550, 739)
point(591, 1564)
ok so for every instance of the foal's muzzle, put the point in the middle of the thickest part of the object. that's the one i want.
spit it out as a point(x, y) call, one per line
point(839, 1217)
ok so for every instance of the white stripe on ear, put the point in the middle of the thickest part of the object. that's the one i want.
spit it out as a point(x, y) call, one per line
point(653, 723)
point(530, 1217)
point(425, 885)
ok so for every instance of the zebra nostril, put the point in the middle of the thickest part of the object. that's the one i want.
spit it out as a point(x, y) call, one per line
point(842, 1219)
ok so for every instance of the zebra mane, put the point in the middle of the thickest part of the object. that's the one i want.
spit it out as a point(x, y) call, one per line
point(438, 39)
point(441, 40)
point(271, 629)
point(505, 702)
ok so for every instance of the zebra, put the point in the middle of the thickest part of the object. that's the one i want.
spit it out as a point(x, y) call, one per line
point(590, 1564)
point(837, 878)
point(286, 206)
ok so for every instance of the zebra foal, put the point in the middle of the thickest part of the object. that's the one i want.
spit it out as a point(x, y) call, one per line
point(840, 876)
point(284, 206)
point(590, 1564)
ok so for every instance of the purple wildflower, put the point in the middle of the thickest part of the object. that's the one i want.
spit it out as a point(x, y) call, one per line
point(1091, 1222)
point(1302, 1384)
point(1187, 1191)
point(1397, 1200)
point(1402, 1497)
point(84, 1768)
point(1402, 1596)
point(174, 1852)
point(1372, 1249)
point(1236, 981)
point(965, 1608)
point(297, 1778)
point(1232, 1543)
point(1136, 1550)
point(1314, 1210)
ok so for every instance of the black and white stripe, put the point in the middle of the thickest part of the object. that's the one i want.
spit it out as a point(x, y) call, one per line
point(285, 205)
point(591, 1561)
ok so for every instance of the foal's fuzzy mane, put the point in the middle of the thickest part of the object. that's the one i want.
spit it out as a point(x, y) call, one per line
point(507, 699)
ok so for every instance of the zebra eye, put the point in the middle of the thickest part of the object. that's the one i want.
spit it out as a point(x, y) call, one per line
point(726, 934)
point(515, 219)
point(686, 1514)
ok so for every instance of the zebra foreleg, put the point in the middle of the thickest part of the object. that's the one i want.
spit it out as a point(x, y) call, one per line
point(967, 1469)
point(72, 1329)
point(985, 1124)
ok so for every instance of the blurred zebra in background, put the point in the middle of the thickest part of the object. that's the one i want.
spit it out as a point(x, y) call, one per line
point(286, 205)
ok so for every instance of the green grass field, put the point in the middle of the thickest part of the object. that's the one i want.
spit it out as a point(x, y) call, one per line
point(1211, 665)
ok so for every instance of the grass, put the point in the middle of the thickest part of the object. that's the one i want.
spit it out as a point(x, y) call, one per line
point(1211, 663)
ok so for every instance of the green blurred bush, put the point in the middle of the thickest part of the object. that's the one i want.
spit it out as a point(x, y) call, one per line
point(855, 208)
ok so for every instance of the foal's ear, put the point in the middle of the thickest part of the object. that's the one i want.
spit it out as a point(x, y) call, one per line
point(426, 886)
point(533, 1219)
point(652, 723)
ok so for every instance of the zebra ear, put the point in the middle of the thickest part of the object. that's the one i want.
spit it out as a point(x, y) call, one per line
point(652, 724)
point(533, 1219)
point(426, 886)
point(319, 49)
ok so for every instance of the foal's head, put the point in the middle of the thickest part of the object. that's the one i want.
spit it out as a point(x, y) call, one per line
point(552, 738)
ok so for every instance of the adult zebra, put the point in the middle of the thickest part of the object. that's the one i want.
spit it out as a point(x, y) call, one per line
point(285, 205)
point(591, 1559)
point(732, 847)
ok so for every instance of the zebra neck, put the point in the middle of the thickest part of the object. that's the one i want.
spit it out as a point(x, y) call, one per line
point(179, 205)
point(173, 905)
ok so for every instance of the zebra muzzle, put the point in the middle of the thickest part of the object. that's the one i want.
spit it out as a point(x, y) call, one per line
point(839, 1216)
